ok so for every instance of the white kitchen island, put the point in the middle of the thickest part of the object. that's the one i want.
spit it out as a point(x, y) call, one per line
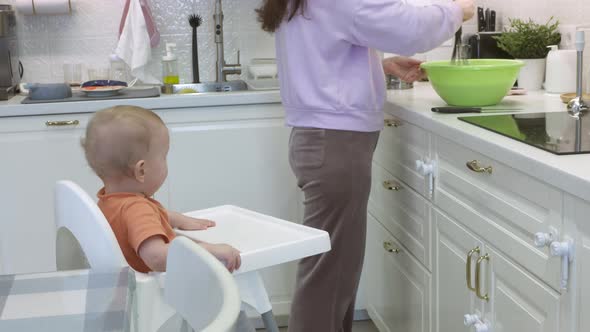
point(423, 226)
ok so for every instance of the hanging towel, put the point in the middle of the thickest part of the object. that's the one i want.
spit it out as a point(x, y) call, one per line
point(149, 19)
point(134, 45)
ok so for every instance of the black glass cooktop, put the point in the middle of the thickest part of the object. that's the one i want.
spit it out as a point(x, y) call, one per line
point(559, 132)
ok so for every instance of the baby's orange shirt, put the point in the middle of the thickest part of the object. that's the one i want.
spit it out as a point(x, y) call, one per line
point(134, 218)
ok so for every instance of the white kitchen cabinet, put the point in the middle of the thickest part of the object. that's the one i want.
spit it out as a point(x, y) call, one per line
point(403, 212)
point(35, 156)
point(577, 214)
point(452, 297)
point(517, 300)
point(401, 144)
point(242, 163)
point(398, 286)
point(503, 205)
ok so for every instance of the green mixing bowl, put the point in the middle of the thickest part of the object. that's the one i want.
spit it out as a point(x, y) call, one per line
point(482, 82)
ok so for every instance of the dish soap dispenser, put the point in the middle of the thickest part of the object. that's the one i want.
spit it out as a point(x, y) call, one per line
point(560, 76)
point(170, 65)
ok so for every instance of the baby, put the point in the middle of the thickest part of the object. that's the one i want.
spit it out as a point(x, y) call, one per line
point(127, 147)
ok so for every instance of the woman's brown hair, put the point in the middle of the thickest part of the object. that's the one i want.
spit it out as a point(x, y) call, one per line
point(273, 12)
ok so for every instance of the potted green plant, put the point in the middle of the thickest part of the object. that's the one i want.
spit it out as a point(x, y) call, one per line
point(529, 41)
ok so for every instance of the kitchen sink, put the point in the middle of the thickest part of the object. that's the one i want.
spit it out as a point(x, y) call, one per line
point(237, 85)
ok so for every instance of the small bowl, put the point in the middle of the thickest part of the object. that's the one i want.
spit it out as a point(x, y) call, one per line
point(482, 82)
point(567, 97)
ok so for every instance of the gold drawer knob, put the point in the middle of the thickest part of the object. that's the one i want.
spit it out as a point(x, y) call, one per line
point(477, 168)
point(390, 248)
point(392, 123)
point(390, 185)
point(62, 123)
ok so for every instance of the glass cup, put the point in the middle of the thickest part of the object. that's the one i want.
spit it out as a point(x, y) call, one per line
point(72, 73)
point(99, 73)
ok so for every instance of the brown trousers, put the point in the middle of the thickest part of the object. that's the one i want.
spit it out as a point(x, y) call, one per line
point(333, 168)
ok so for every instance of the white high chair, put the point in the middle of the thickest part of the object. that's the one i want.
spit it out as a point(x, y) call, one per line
point(200, 288)
point(85, 240)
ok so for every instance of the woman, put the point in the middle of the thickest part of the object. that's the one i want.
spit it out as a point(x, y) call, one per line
point(333, 90)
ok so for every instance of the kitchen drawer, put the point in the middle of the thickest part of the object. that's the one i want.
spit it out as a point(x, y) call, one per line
point(399, 289)
point(47, 123)
point(403, 212)
point(502, 205)
point(400, 145)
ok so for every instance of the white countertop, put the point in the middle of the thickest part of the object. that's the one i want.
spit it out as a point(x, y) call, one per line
point(570, 173)
point(13, 107)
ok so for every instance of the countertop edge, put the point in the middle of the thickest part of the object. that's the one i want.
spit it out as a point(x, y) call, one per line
point(13, 108)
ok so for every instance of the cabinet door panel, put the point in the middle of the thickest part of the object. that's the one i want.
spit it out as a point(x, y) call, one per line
point(398, 287)
point(452, 297)
point(37, 159)
point(518, 301)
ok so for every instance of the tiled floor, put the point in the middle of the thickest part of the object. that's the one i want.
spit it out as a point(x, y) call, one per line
point(359, 326)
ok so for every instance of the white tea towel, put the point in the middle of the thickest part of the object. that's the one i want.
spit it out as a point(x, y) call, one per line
point(149, 19)
point(134, 45)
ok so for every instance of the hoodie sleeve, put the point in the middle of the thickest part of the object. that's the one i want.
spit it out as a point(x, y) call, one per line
point(394, 26)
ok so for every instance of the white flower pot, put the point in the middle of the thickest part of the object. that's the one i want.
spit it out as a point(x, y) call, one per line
point(532, 75)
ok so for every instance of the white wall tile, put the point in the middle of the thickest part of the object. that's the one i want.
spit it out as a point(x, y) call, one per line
point(90, 33)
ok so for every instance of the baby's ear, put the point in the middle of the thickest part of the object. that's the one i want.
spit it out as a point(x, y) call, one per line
point(139, 171)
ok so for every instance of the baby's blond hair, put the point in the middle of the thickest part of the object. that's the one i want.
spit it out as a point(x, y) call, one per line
point(117, 138)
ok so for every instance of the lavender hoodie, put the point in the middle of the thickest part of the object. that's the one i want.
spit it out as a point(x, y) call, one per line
point(330, 72)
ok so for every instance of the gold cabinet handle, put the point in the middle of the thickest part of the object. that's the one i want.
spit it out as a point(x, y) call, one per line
point(390, 185)
point(390, 248)
point(474, 166)
point(485, 297)
point(62, 123)
point(473, 251)
point(392, 123)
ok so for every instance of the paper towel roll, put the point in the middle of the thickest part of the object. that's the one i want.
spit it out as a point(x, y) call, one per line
point(44, 7)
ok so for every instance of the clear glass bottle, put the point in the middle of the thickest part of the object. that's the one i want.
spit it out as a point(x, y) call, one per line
point(170, 66)
point(119, 70)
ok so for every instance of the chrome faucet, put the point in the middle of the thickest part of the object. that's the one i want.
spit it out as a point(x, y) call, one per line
point(223, 69)
point(579, 105)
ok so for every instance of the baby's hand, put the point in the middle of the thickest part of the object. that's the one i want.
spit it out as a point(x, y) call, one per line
point(194, 224)
point(229, 255)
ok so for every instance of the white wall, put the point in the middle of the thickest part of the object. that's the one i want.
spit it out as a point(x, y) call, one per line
point(90, 34)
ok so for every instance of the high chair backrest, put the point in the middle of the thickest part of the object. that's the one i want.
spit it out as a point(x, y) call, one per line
point(200, 288)
point(84, 237)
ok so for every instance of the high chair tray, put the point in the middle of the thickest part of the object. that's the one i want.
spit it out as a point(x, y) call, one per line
point(262, 240)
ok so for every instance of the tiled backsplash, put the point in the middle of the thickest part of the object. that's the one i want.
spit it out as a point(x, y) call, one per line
point(89, 35)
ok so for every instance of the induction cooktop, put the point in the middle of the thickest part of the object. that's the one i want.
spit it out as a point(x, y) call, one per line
point(559, 133)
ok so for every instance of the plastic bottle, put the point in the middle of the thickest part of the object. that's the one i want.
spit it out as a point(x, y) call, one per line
point(119, 70)
point(560, 71)
point(170, 65)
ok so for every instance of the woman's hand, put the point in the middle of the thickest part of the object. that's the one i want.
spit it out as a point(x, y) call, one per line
point(406, 69)
point(468, 7)
point(227, 254)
